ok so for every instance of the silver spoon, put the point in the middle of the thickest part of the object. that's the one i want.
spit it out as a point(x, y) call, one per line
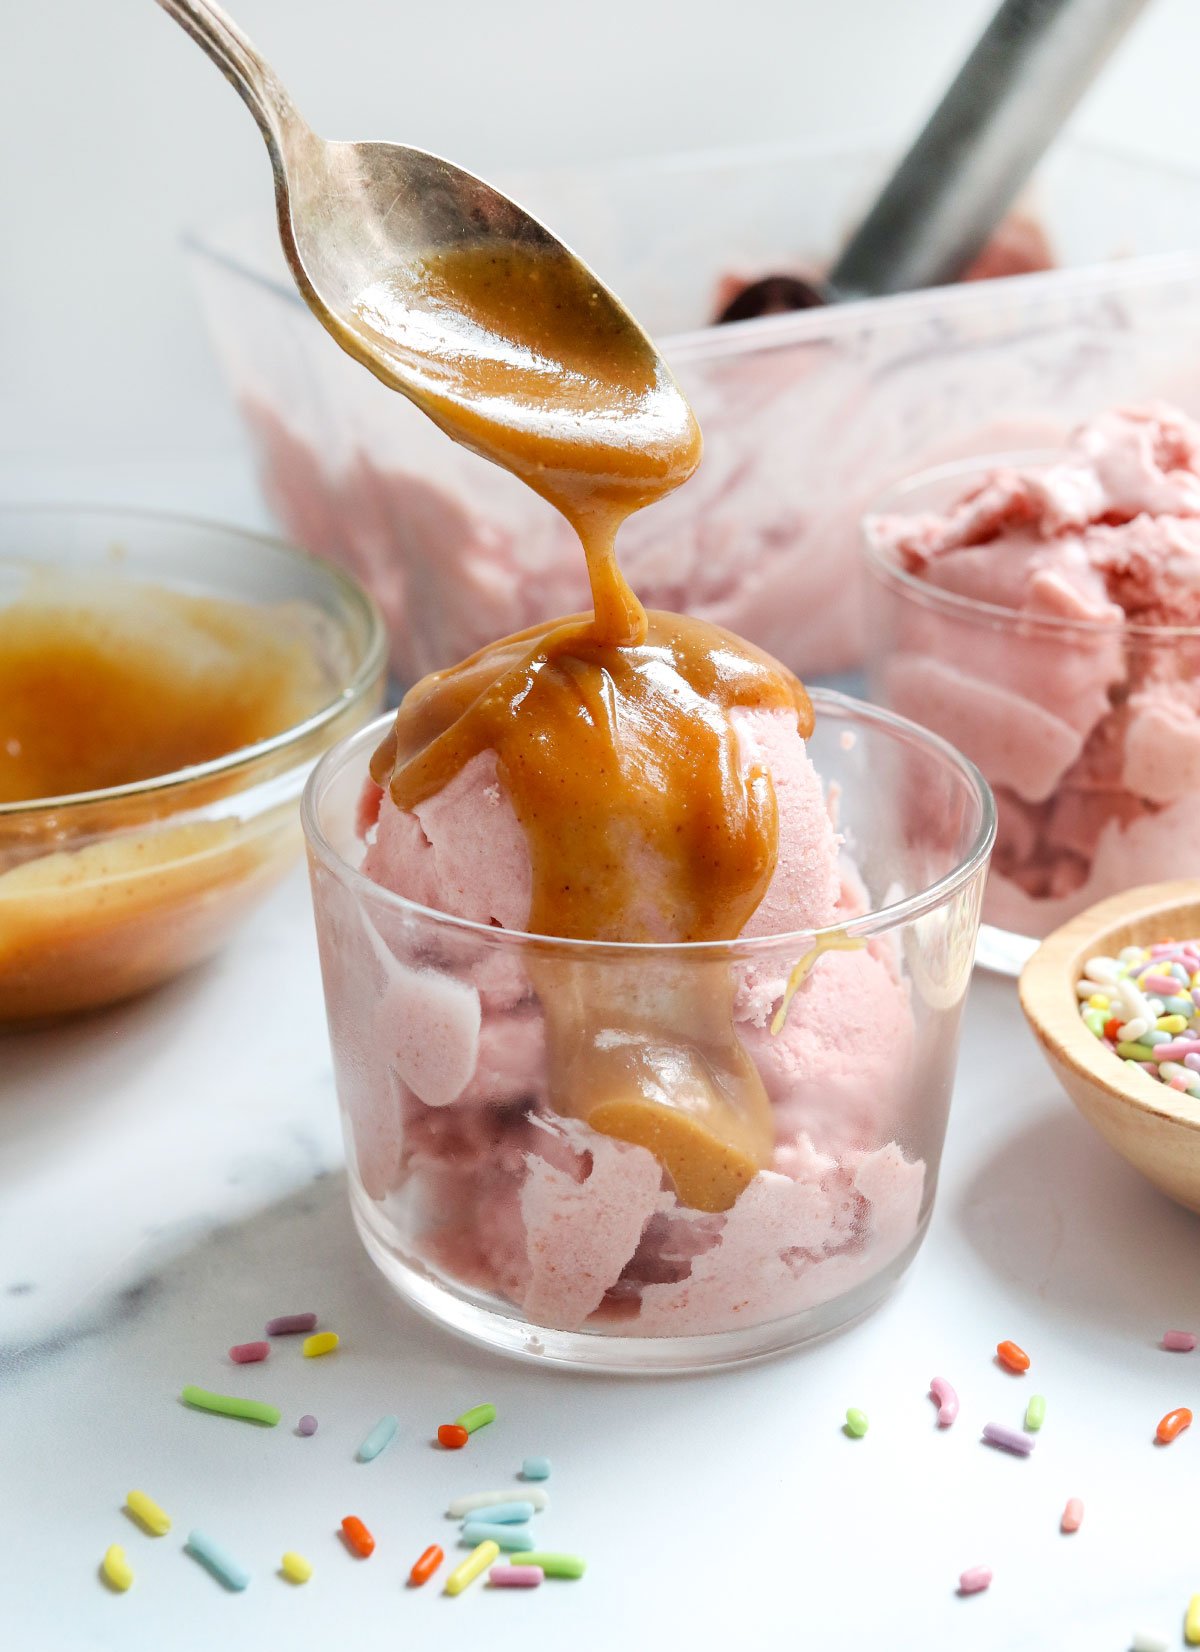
point(540, 368)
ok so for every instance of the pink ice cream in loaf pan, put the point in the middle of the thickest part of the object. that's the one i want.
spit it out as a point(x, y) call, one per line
point(493, 1210)
point(1044, 615)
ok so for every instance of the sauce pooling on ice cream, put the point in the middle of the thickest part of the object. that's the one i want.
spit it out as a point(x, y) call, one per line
point(615, 740)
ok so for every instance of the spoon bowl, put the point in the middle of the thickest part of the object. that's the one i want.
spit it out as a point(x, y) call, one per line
point(1154, 1127)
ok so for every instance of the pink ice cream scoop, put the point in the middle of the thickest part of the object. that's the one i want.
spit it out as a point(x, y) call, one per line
point(452, 1115)
point(1048, 623)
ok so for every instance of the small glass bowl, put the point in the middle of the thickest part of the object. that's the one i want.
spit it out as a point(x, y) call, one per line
point(1045, 707)
point(539, 1236)
point(106, 893)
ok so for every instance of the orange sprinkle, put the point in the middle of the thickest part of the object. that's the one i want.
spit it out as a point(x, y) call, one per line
point(357, 1536)
point(428, 1564)
point(1173, 1424)
point(453, 1436)
point(1012, 1357)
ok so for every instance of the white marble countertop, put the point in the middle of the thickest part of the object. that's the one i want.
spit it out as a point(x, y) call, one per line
point(170, 1177)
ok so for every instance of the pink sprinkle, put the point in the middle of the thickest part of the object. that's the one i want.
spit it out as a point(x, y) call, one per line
point(946, 1400)
point(1072, 1517)
point(1177, 1050)
point(290, 1325)
point(515, 1577)
point(307, 1424)
point(247, 1353)
point(974, 1579)
point(1163, 986)
point(1179, 1342)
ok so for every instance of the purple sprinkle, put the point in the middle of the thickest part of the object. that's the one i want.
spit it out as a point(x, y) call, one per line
point(1196, 995)
point(1192, 1061)
point(290, 1325)
point(307, 1424)
point(1179, 1342)
point(1007, 1439)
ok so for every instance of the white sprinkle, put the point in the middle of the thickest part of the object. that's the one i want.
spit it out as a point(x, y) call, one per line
point(1133, 1030)
point(1144, 1641)
point(486, 1499)
point(1103, 969)
point(1135, 1001)
point(1085, 989)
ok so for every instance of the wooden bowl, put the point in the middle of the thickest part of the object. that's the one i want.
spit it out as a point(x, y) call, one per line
point(1153, 1126)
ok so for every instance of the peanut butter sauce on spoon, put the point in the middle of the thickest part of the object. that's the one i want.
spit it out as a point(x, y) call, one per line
point(614, 733)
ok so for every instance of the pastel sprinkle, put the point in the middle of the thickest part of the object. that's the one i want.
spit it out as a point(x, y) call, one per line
point(1012, 1358)
point(358, 1537)
point(1144, 1640)
point(1072, 1515)
point(1154, 1020)
point(323, 1343)
point(221, 1564)
point(380, 1437)
point(1191, 1623)
point(475, 1563)
point(857, 1423)
point(228, 1405)
point(307, 1424)
point(1179, 1342)
point(426, 1565)
point(290, 1325)
point(974, 1580)
point(946, 1401)
point(488, 1499)
point(1007, 1439)
point(295, 1568)
point(477, 1417)
point(535, 1468)
point(452, 1436)
point(511, 1514)
point(249, 1353)
point(117, 1569)
point(504, 1537)
point(553, 1565)
point(1173, 1425)
point(515, 1577)
point(1035, 1413)
point(156, 1520)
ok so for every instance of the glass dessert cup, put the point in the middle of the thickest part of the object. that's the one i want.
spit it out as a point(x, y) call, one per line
point(108, 892)
point(535, 1234)
point(1069, 719)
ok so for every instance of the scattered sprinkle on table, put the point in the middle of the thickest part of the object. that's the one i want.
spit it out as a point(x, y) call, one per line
point(156, 1520)
point(946, 1400)
point(1191, 1623)
point(1179, 1342)
point(517, 1538)
point(380, 1437)
point(515, 1577)
point(221, 1564)
point(857, 1423)
point(117, 1569)
point(228, 1405)
point(1007, 1439)
point(249, 1353)
point(1144, 1640)
point(1072, 1515)
point(1145, 1006)
point(488, 1499)
point(358, 1537)
point(510, 1514)
point(307, 1424)
point(477, 1417)
point(1012, 1358)
point(453, 1436)
point(290, 1325)
point(295, 1568)
point(471, 1567)
point(1173, 1425)
point(323, 1343)
point(1035, 1413)
point(426, 1565)
point(974, 1580)
point(535, 1468)
point(553, 1565)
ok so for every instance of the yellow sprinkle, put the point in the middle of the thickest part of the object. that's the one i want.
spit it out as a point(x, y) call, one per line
point(477, 1561)
point(117, 1569)
point(156, 1520)
point(1098, 1001)
point(296, 1567)
point(324, 1342)
point(1191, 1624)
point(1171, 1023)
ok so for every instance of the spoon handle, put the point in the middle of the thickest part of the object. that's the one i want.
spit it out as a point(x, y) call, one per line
point(215, 32)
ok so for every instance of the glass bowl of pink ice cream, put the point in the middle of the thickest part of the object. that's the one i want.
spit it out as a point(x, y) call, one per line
point(495, 1212)
point(1042, 611)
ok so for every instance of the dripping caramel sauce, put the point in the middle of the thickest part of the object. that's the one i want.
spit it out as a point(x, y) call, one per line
point(615, 742)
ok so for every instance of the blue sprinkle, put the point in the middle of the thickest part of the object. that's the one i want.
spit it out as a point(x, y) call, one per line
point(1152, 1038)
point(1179, 1006)
point(502, 1514)
point(535, 1468)
point(516, 1539)
point(380, 1437)
point(222, 1566)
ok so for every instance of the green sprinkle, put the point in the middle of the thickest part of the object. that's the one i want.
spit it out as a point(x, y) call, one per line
point(1035, 1413)
point(477, 1417)
point(554, 1565)
point(1094, 1021)
point(1135, 1052)
point(228, 1405)
point(856, 1423)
